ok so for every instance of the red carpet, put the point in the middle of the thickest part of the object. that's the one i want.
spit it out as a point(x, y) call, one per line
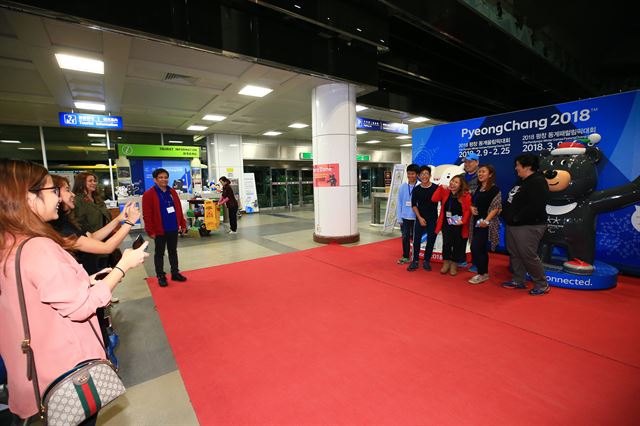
point(341, 335)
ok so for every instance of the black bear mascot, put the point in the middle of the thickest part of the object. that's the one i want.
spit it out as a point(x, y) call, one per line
point(573, 203)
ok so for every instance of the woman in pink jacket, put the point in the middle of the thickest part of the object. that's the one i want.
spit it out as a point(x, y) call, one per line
point(61, 299)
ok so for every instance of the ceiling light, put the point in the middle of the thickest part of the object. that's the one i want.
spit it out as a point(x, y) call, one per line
point(27, 148)
point(272, 133)
point(297, 6)
point(96, 135)
point(419, 119)
point(214, 117)
point(9, 141)
point(360, 132)
point(373, 141)
point(361, 108)
point(175, 141)
point(197, 128)
point(94, 106)
point(98, 144)
point(78, 63)
point(233, 145)
point(256, 91)
point(358, 29)
point(406, 145)
point(298, 125)
point(403, 137)
point(119, 137)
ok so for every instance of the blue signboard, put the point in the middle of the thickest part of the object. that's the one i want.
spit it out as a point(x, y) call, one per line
point(91, 121)
point(381, 126)
point(499, 139)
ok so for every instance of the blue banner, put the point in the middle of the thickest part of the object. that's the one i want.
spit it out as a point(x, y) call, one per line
point(381, 126)
point(500, 138)
point(90, 121)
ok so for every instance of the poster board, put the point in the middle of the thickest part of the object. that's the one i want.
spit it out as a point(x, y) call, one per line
point(397, 178)
point(250, 194)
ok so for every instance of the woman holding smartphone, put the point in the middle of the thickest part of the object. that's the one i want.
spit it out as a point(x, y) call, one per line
point(455, 214)
point(61, 298)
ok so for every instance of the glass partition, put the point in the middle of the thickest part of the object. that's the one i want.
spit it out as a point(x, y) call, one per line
point(20, 143)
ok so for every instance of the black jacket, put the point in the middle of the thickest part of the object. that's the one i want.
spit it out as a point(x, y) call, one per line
point(526, 202)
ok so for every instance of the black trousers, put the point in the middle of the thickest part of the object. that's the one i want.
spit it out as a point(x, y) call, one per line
point(418, 232)
point(453, 245)
point(170, 241)
point(406, 227)
point(480, 249)
point(233, 218)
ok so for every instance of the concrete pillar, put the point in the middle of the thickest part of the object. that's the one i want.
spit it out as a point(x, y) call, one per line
point(333, 108)
point(224, 158)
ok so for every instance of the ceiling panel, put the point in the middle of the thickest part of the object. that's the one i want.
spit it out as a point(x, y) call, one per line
point(168, 97)
point(74, 36)
point(22, 81)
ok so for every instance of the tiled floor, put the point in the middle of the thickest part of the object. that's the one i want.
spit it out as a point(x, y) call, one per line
point(155, 392)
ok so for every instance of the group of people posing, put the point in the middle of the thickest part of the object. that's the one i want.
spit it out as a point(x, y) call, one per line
point(470, 207)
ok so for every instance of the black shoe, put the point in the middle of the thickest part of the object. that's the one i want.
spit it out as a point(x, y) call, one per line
point(426, 266)
point(412, 266)
point(539, 291)
point(178, 277)
point(162, 281)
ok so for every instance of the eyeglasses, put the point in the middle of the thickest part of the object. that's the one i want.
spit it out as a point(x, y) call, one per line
point(56, 190)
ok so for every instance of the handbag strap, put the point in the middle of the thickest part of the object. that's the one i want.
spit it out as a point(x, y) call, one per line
point(32, 374)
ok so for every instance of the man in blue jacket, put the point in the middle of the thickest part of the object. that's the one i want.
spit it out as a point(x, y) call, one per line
point(405, 215)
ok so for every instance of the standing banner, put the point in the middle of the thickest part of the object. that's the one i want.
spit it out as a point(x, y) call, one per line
point(499, 139)
point(250, 194)
point(390, 216)
point(326, 175)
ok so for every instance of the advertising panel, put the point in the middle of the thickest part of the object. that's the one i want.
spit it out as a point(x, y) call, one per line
point(250, 196)
point(326, 175)
point(499, 139)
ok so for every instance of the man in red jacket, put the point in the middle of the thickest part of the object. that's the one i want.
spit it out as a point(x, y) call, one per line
point(163, 219)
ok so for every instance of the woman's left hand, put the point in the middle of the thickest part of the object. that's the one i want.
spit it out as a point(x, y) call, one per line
point(483, 224)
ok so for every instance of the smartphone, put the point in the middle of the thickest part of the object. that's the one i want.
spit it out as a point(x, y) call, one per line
point(101, 276)
point(138, 242)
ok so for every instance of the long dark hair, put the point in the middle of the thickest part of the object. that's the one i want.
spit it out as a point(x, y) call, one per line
point(492, 174)
point(63, 210)
point(16, 217)
point(80, 186)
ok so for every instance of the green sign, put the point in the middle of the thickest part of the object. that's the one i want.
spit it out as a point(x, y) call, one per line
point(309, 156)
point(135, 150)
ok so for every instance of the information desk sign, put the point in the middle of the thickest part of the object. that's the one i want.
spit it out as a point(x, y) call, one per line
point(136, 150)
point(90, 121)
point(381, 126)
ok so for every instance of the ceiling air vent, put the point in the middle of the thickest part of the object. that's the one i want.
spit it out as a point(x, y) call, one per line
point(180, 79)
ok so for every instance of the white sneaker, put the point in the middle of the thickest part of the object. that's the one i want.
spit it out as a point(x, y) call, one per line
point(233, 232)
point(114, 299)
point(477, 279)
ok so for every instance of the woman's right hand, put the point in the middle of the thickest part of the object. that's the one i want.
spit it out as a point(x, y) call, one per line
point(474, 210)
point(133, 213)
point(132, 258)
